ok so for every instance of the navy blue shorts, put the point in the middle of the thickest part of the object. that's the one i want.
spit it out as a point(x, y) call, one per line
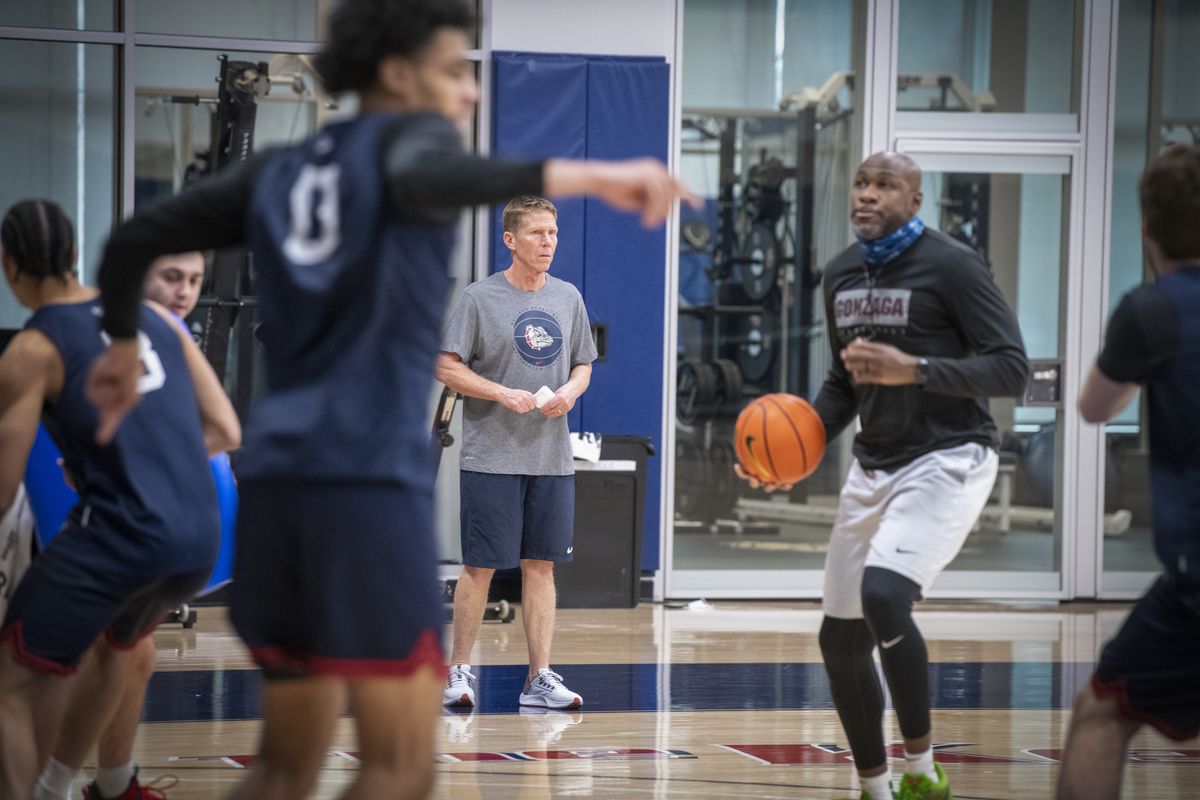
point(506, 518)
point(1152, 666)
point(336, 579)
point(101, 579)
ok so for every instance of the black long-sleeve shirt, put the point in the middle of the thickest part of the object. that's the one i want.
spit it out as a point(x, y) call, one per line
point(429, 178)
point(937, 300)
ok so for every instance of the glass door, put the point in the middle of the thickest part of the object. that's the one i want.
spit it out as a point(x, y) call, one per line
point(1155, 106)
point(1014, 206)
point(1014, 209)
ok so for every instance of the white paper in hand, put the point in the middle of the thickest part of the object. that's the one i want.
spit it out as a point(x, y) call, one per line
point(543, 396)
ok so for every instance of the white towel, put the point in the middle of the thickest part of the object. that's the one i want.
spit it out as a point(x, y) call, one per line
point(17, 536)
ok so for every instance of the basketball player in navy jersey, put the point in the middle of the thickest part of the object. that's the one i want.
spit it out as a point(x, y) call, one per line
point(351, 231)
point(1149, 673)
point(173, 283)
point(142, 537)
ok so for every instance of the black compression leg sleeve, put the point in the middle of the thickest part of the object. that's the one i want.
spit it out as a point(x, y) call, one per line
point(846, 646)
point(887, 599)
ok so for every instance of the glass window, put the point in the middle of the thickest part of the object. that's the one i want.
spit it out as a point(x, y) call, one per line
point(988, 57)
point(1016, 220)
point(78, 15)
point(283, 20)
point(57, 137)
point(771, 135)
point(176, 102)
point(1157, 104)
point(177, 129)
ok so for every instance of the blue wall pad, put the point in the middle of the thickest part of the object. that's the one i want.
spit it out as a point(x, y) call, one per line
point(603, 107)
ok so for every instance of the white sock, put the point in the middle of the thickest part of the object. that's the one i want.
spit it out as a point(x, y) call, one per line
point(113, 781)
point(878, 787)
point(921, 764)
point(55, 782)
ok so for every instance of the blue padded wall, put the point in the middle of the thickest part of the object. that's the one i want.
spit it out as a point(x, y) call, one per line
point(540, 111)
point(624, 268)
point(600, 107)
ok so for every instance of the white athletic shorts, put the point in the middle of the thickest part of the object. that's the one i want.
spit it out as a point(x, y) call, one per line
point(913, 521)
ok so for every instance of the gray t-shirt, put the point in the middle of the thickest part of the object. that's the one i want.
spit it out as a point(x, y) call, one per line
point(522, 340)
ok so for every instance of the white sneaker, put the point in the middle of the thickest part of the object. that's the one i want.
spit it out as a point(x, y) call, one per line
point(460, 686)
point(546, 689)
point(546, 725)
point(458, 724)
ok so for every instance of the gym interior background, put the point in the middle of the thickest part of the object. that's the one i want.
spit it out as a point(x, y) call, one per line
point(1032, 121)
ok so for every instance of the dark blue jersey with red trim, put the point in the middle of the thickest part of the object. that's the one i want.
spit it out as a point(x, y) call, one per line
point(153, 477)
point(1154, 339)
point(351, 298)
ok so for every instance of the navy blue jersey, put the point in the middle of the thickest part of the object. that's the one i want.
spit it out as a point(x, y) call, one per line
point(153, 477)
point(351, 233)
point(351, 298)
point(1154, 339)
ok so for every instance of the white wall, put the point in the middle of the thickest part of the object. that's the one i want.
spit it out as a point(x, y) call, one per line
point(612, 27)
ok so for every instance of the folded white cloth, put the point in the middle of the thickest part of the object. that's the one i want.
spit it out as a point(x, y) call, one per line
point(585, 446)
point(542, 396)
point(17, 535)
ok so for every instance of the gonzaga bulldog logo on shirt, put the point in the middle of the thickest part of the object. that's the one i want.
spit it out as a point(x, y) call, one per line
point(538, 337)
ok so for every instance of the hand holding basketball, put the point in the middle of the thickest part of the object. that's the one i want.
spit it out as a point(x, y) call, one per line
point(755, 483)
point(779, 440)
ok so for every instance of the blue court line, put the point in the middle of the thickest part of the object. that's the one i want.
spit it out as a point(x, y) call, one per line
point(205, 695)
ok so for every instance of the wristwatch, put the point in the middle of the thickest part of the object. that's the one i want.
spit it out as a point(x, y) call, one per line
point(922, 370)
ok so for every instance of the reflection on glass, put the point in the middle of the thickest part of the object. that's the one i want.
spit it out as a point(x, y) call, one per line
point(284, 20)
point(989, 55)
point(200, 111)
point(1156, 105)
point(58, 140)
point(76, 15)
point(190, 103)
point(769, 139)
point(1018, 224)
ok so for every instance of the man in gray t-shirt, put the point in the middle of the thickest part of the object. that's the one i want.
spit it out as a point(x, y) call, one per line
point(510, 335)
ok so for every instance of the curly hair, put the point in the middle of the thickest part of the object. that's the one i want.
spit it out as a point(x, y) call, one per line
point(1170, 196)
point(39, 238)
point(364, 32)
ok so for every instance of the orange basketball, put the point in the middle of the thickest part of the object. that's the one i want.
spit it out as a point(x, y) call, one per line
point(779, 438)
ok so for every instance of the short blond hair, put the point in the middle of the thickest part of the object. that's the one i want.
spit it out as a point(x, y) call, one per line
point(518, 207)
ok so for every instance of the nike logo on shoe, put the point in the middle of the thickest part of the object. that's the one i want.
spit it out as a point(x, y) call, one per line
point(904, 552)
point(890, 643)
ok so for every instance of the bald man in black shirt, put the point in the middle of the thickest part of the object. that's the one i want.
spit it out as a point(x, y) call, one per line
point(921, 337)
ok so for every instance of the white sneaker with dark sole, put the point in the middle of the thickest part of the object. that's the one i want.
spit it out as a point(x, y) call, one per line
point(546, 725)
point(460, 686)
point(546, 690)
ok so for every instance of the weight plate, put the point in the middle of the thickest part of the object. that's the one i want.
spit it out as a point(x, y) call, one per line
point(756, 353)
point(695, 390)
point(760, 265)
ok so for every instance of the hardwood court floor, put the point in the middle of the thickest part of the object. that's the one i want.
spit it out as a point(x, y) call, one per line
point(730, 702)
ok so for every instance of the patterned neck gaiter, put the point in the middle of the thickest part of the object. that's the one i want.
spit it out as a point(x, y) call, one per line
point(887, 248)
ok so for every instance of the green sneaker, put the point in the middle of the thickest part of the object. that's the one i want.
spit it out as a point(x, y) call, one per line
point(916, 786)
